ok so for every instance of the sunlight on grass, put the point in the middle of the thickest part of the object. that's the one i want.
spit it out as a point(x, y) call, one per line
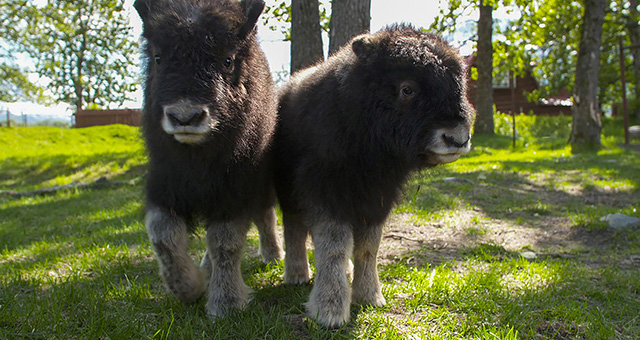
point(456, 295)
point(38, 157)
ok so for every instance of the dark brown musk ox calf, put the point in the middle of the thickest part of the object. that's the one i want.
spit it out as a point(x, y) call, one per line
point(209, 116)
point(351, 131)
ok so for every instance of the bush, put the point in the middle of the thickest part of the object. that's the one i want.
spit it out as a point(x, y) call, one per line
point(530, 128)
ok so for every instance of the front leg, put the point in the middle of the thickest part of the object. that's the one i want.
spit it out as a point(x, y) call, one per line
point(270, 248)
point(296, 264)
point(330, 297)
point(366, 284)
point(170, 240)
point(227, 290)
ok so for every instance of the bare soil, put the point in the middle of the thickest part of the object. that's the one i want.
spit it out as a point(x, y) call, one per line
point(406, 238)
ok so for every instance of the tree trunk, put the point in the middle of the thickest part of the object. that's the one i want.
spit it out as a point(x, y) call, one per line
point(306, 38)
point(634, 37)
point(484, 63)
point(586, 127)
point(348, 19)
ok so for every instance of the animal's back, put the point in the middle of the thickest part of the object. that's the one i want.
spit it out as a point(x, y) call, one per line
point(325, 154)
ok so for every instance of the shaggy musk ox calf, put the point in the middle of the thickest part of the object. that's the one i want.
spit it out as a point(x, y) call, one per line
point(209, 117)
point(351, 131)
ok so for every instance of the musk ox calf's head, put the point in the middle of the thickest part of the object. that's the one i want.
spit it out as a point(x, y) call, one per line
point(195, 59)
point(417, 87)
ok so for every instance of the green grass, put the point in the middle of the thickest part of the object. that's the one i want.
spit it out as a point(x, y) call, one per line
point(78, 264)
point(32, 158)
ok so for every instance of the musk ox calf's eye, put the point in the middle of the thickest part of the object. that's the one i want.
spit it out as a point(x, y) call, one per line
point(157, 59)
point(228, 63)
point(408, 89)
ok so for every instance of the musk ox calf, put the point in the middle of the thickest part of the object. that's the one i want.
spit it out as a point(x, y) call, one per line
point(351, 131)
point(209, 118)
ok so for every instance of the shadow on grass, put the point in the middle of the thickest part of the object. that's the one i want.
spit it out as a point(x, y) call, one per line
point(24, 173)
point(521, 191)
point(73, 219)
point(544, 298)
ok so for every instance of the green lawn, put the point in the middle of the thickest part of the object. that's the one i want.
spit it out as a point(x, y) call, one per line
point(77, 264)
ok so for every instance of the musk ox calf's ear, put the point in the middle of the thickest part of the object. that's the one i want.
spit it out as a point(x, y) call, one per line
point(364, 47)
point(143, 7)
point(252, 10)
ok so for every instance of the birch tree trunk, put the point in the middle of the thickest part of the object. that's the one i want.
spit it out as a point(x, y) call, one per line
point(634, 37)
point(306, 38)
point(587, 126)
point(484, 63)
point(348, 19)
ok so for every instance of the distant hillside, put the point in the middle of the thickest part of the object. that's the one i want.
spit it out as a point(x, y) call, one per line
point(35, 119)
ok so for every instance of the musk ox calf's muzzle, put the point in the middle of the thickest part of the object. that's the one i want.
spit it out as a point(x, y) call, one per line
point(449, 144)
point(188, 122)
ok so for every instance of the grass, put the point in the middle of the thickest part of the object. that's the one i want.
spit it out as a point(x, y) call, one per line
point(78, 264)
point(38, 157)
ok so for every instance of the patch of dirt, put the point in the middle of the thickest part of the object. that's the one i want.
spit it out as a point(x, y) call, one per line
point(546, 235)
point(440, 242)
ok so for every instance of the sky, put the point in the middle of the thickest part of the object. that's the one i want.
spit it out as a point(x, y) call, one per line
point(420, 13)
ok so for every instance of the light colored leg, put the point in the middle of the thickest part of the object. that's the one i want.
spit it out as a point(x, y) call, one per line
point(366, 284)
point(170, 239)
point(227, 290)
point(296, 264)
point(330, 297)
point(270, 248)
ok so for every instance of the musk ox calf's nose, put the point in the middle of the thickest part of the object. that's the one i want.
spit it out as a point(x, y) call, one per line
point(187, 122)
point(456, 141)
point(186, 114)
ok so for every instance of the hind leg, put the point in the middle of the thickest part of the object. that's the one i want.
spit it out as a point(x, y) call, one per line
point(270, 248)
point(330, 297)
point(296, 264)
point(366, 284)
point(170, 239)
point(227, 290)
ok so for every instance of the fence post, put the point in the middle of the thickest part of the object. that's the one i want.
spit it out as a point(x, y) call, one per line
point(8, 118)
point(623, 81)
point(513, 118)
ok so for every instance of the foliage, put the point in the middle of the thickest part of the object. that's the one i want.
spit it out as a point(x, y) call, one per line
point(15, 84)
point(277, 16)
point(544, 40)
point(531, 128)
point(14, 78)
point(83, 49)
point(79, 265)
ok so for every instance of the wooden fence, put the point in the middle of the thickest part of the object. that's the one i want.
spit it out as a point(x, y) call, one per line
point(86, 118)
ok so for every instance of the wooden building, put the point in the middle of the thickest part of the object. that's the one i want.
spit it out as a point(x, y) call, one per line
point(506, 100)
point(86, 118)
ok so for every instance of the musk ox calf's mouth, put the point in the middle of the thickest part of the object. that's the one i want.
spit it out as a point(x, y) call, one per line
point(432, 158)
point(189, 138)
point(447, 158)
